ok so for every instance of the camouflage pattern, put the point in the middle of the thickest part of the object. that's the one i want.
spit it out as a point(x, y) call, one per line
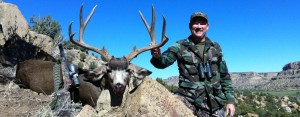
point(202, 78)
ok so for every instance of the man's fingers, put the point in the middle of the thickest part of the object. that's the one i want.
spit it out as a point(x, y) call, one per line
point(232, 111)
point(227, 111)
point(155, 52)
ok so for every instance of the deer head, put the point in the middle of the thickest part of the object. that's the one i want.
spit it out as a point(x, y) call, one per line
point(118, 70)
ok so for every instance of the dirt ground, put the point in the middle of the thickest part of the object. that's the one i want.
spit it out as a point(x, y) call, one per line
point(18, 102)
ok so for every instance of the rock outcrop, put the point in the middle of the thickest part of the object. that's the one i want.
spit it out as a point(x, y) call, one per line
point(12, 22)
point(287, 105)
point(17, 42)
point(173, 80)
point(291, 66)
point(288, 78)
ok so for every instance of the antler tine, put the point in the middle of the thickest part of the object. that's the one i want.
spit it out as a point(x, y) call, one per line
point(102, 52)
point(163, 35)
point(136, 52)
point(150, 29)
point(83, 24)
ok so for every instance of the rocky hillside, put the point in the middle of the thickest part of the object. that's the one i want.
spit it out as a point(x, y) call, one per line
point(288, 78)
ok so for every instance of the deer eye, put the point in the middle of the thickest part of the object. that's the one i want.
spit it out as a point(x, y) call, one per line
point(128, 70)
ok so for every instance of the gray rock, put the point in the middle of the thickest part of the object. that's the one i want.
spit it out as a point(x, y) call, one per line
point(8, 72)
point(17, 43)
point(292, 65)
point(12, 22)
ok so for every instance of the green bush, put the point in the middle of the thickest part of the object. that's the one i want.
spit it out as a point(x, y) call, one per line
point(171, 88)
point(82, 56)
point(93, 65)
point(70, 57)
point(80, 65)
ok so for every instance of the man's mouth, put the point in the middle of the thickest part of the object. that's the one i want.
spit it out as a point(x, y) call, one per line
point(197, 30)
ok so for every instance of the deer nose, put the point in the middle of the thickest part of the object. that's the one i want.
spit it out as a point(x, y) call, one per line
point(119, 86)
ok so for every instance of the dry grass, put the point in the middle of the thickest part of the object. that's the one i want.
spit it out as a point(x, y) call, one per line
point(15, 101)
point(20, 102)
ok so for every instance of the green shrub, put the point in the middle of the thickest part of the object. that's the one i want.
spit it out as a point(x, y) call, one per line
point(80, 65)
point(272, 108)
point(171, 88)
point(69, 57)
point(82, 56)
point(93, 65)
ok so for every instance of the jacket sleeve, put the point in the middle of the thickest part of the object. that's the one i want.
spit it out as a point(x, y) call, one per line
point(167, 58)
point(227, 87)
point(226, 81)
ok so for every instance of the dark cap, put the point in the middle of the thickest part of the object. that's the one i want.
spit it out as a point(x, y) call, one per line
point(199, 14)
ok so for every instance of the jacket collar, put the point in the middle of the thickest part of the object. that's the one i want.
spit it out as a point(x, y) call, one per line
point(189, 41)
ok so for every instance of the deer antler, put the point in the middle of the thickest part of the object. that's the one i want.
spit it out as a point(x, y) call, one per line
point(103, 52)
point(136, 52)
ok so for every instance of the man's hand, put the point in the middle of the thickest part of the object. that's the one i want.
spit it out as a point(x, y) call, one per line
point(155, 52)
point(230, 109)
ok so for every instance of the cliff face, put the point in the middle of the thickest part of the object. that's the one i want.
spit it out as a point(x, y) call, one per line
point(291, 66)
point(288, 78)
point(251, 80)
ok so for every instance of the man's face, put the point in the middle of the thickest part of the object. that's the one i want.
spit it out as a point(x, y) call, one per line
point(198, 27)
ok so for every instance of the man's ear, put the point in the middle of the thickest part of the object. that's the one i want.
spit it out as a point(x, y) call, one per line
point(207, 26)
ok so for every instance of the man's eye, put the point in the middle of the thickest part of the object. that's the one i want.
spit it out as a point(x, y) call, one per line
point(201, 23)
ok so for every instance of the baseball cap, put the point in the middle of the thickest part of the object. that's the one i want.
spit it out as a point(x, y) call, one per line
point(199, 14)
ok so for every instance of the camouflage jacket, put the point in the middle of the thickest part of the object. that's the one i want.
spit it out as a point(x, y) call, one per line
point(201, 77)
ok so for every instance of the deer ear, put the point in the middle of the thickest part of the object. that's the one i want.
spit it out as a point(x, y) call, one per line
point(142, 73)
point(139, 72)
point(137, 76)
point(96, 74)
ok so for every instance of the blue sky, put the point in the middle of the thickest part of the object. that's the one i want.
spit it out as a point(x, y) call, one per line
point(255, 35)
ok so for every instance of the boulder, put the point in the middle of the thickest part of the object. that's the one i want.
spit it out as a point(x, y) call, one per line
point(11, 22)
point(8, 72)
point(87, 111)
point(18, 43)
point(252, 115)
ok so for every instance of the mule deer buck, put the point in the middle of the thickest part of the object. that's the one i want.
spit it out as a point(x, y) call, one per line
point(116, 73)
